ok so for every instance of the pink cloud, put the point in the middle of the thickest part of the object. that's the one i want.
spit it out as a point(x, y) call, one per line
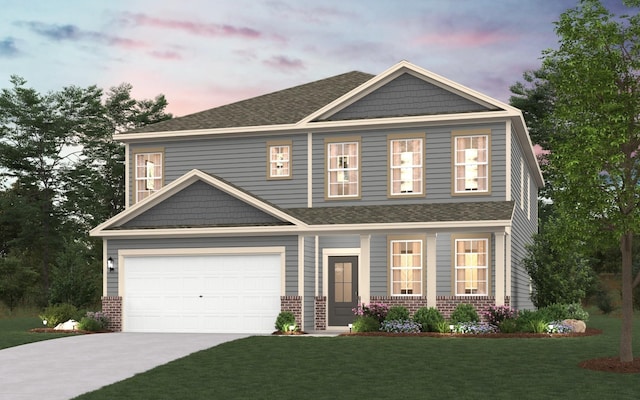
point(166, 55)
point(283, 62)
point(195, 28)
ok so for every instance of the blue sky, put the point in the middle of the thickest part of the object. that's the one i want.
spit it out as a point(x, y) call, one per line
point(205, 53)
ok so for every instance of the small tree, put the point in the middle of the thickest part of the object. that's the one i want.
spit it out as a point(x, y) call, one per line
point(16, 280)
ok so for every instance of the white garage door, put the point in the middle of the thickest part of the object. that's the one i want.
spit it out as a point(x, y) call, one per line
point(203, 293)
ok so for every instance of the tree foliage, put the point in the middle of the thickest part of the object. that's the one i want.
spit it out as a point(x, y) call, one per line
point(595, 77)
point(62, 173)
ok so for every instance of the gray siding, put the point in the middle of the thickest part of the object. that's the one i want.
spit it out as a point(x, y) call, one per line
point(379, 266)
point(524, 226)
point(438, 170)
point(309, 283)
point(239, 160)
point(444, 265)
point(290, 243)
point(200, 204)
point(407, 95)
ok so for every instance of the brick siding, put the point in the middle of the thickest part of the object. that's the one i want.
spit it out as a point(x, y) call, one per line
point(320, 317)
point(410, 302)
point(112, 307)
point(446, 304)
point(292, 304)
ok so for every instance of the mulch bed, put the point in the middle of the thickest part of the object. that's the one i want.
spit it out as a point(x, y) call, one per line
point(519, 335)
point(612, 364)
point(75, 331)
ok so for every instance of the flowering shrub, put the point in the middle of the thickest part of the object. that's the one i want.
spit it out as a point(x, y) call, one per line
point(400, 326)
point(494, 315)
point(474, 328)
point(94, 321)
point(558, 327)
point(376, 310)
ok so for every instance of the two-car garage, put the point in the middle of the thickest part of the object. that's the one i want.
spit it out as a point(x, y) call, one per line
point(204, 291)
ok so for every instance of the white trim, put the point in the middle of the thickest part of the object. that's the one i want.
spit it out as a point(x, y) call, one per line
point(508, 166)
point(522, 195)
point(499, 286)
point(317, 265)
point(528, 195)
point(301, 278)
point(127, 175)
point(105, 269)
point(364, 269)
point(431, 267)
point(326, 253)
point(508, 265)
point(309, 170)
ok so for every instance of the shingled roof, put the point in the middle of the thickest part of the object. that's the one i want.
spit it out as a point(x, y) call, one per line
point(286, 106)
point(383, 214)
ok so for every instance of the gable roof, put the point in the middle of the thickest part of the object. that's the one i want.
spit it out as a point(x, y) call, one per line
point(133, 218)
point(286, 106)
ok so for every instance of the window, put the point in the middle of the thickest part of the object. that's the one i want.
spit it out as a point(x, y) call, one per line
point(406, 267)
point(471, 266)
point(405, 163)
point(148, 174)
point(471, 164)
point(279, 160)
point(343, 170)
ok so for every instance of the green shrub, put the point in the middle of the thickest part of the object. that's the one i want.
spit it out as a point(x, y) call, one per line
point(605, 302)
point(365, 323)
point(575, 311)
point(59, 313)
point(525, 319)
point(538, 325)
point(509, 325)
point(428, 318)
point(89, 324)
point(285, 320)
point(443, 327)
point(397, 313)
point(464, 313)
point(554, 312)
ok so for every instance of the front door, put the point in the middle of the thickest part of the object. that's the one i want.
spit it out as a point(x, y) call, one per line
point(343, 289)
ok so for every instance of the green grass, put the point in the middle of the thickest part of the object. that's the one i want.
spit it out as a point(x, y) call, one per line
point(383, 367)
point(15, 331)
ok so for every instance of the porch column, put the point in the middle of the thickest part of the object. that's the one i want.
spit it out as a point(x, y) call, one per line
point(364, 275)
point(301, 278)
point(508, 265)
point(431, 270)
point(500, 267)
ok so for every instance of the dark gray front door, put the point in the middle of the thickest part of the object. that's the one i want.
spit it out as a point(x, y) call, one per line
point(343, 289)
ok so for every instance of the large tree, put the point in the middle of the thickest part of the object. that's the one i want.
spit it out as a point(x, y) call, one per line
point(595, 73)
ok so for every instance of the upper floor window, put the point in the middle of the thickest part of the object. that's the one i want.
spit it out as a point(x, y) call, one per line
point(406, 267)
point(406, 166)
point(471, 266)
point(279, 160)
point(148, 174)
point(471, 163)
point(343, 169)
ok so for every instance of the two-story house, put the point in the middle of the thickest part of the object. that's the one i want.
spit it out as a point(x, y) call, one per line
point(404, 188)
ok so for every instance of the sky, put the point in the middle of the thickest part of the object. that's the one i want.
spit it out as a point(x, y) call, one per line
point(205, 53)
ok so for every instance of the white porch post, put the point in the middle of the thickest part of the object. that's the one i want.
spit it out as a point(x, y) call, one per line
point(500, 267)
point(301, 278)
point(364, 275)
point(431, 270)
point(508, 266)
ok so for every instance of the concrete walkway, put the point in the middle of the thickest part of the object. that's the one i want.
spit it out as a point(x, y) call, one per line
point(64, 368)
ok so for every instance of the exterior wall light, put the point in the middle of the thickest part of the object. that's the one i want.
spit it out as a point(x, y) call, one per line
point(110, 266)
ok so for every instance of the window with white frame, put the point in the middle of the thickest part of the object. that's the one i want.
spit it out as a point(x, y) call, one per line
point(148, 174)
point(279, 165)
point(406, 175)
point(406, 267)
point(471, 163)
point(471, 267)
point(343, 170)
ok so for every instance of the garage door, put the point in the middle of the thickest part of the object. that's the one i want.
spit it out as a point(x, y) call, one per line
point(203, 293)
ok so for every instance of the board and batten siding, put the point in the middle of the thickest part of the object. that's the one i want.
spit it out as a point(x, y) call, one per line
point(241, 161)
point(289, 242)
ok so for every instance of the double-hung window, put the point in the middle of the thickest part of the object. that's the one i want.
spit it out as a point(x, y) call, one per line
point(406, 267)
point(343, 169)
point(148, 173)
point(471, 266)
point(406, 172)
point(471, 163)
point(279, 160)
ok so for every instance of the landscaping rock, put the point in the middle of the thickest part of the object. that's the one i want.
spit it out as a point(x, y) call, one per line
point(70, 325)
point(576, 325)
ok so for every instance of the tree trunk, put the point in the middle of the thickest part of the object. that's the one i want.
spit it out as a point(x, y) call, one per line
point(626, 247)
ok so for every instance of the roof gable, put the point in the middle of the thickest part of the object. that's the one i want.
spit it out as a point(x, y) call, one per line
point(408, 95)
point(198, 199)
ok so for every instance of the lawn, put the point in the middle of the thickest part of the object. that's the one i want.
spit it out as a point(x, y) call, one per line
point(15, 331)
point(382, 367)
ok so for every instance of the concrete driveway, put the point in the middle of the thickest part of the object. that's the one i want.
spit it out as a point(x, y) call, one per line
point(64, 368)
